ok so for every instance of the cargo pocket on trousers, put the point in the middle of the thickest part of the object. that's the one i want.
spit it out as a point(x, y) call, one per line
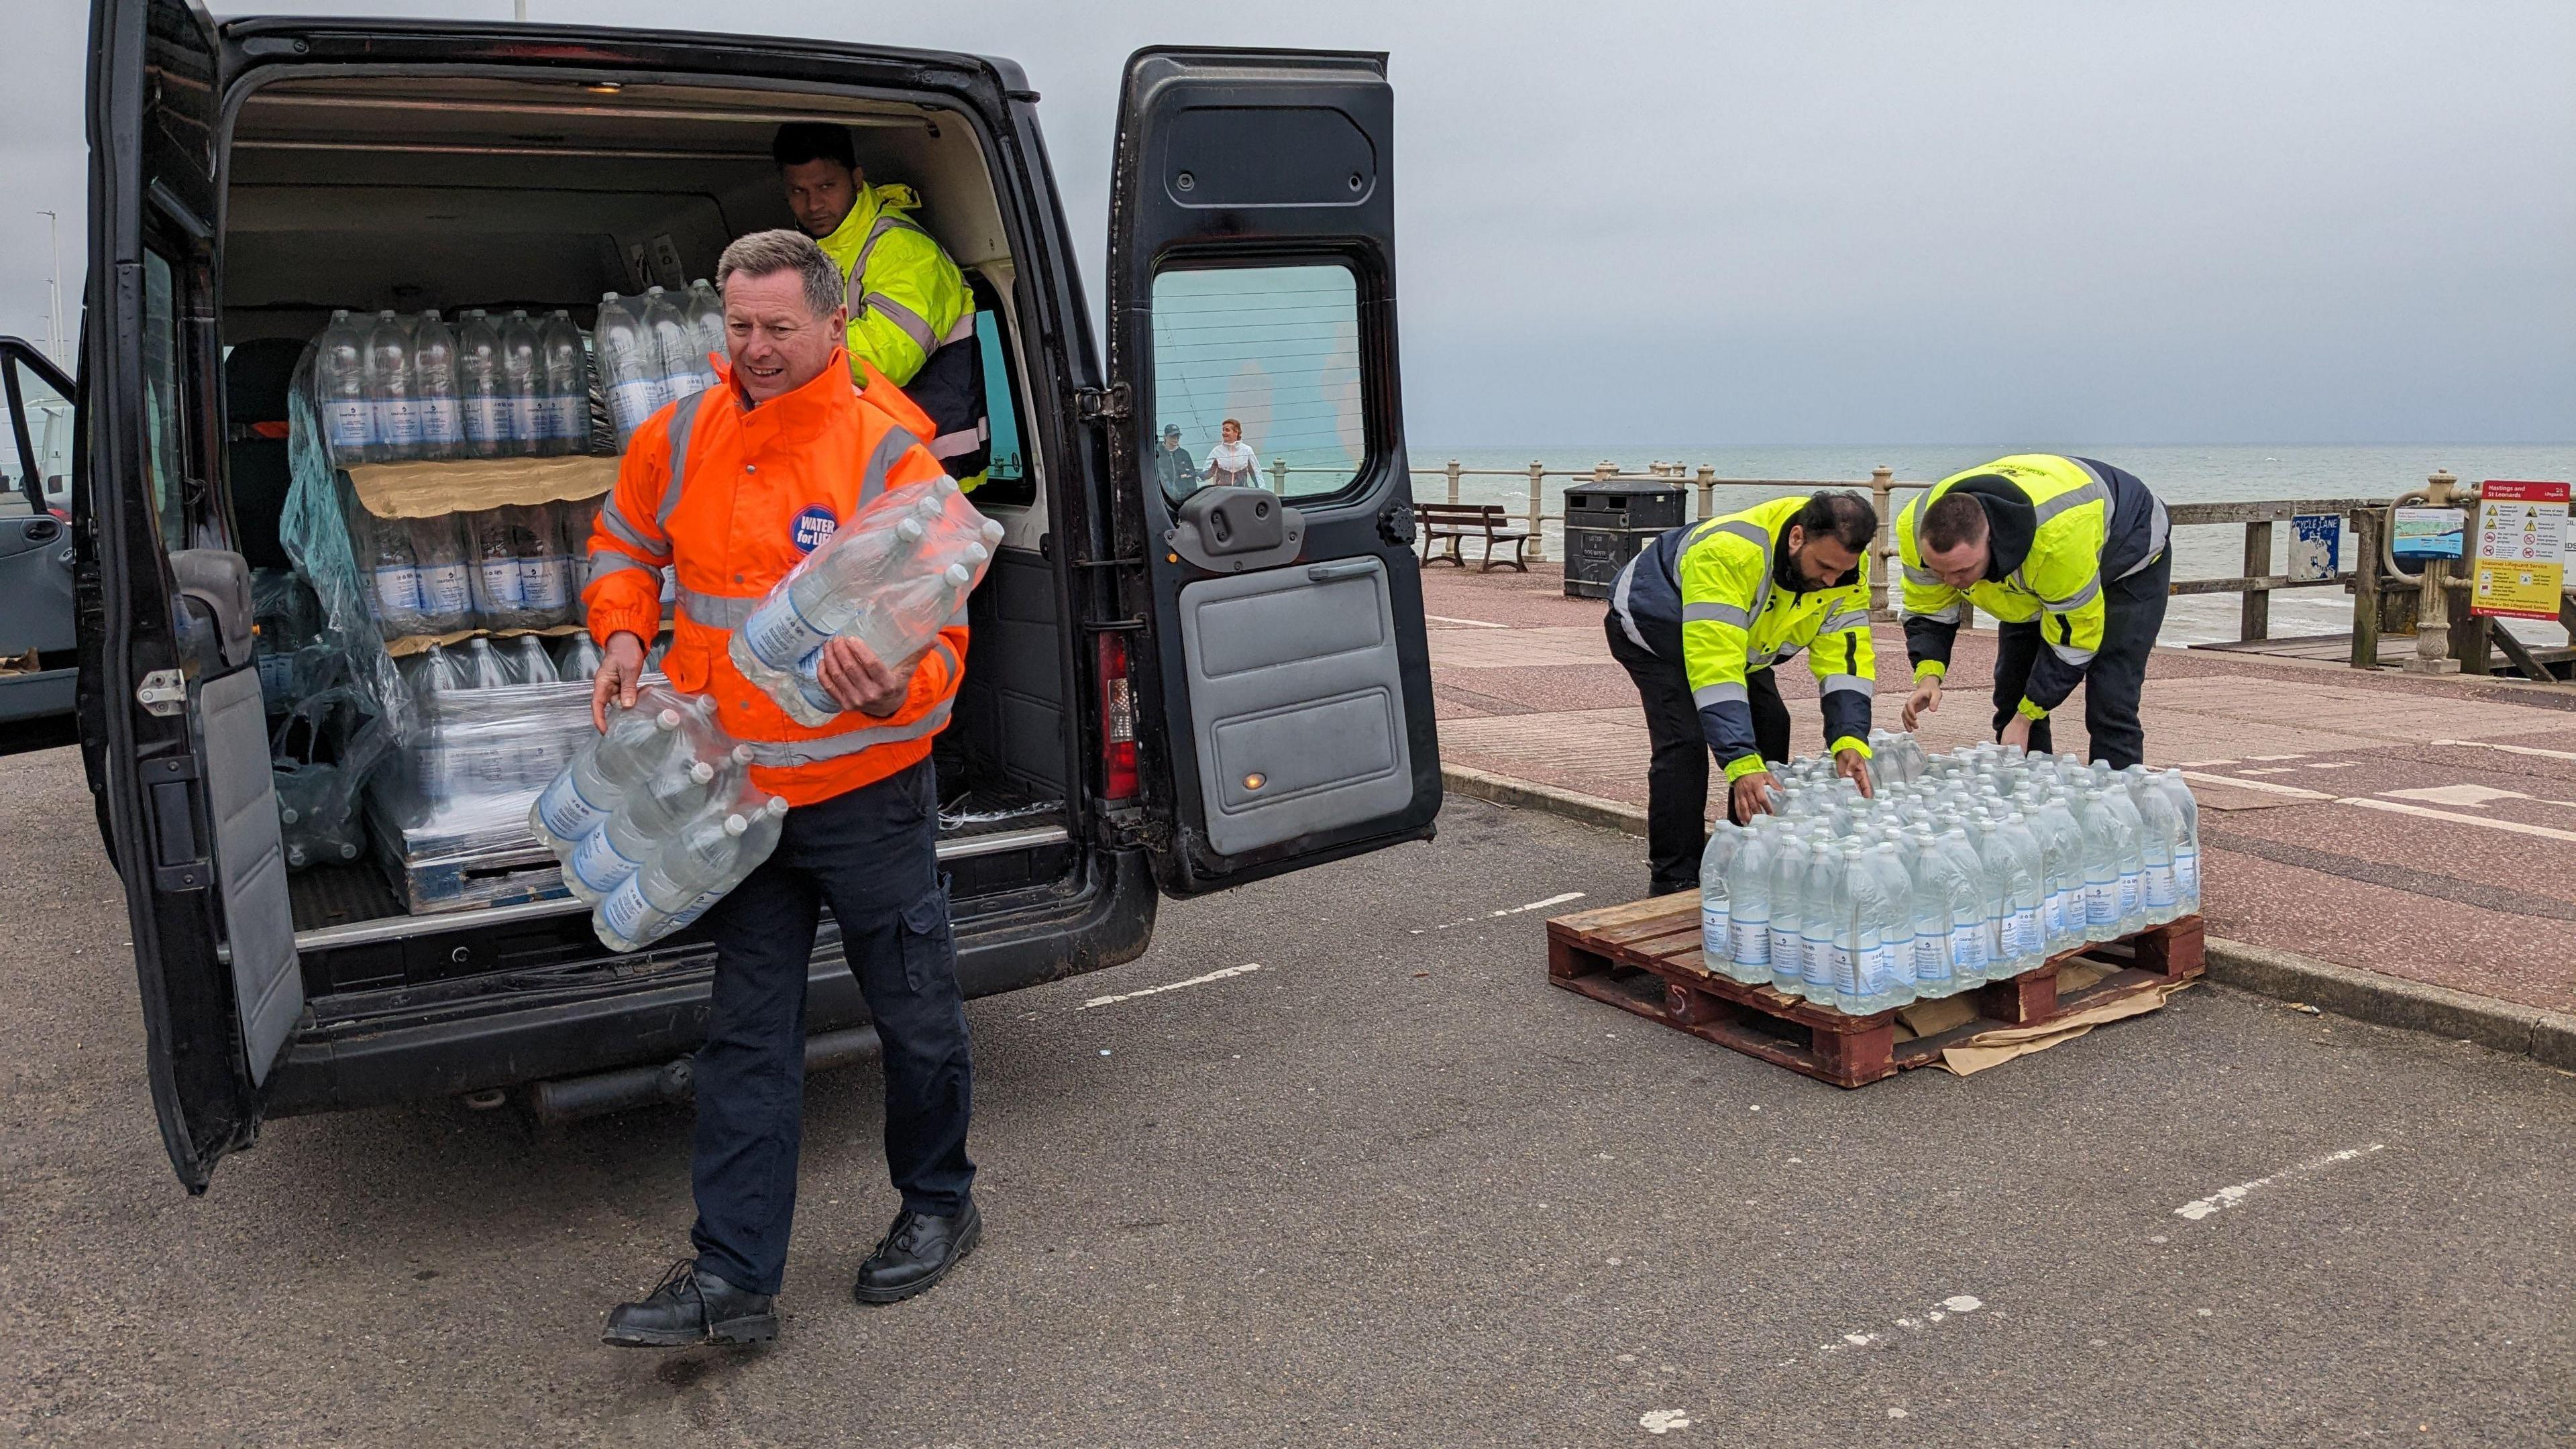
point(929, 950)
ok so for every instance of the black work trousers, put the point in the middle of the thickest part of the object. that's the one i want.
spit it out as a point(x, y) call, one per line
point(870, 854)
point(2135, 611)
point(1677, 773)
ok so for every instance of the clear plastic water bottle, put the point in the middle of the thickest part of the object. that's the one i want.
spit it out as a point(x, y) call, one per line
point(498, 600)
point(545, 574)
point(2177, 792)
point(1997, 887)
point(687, 866)
point(440, 672)
point(1972, 956)
point(530, 662)
point(629, 368)
point(1716, 890)
point(705, 312)
point(1889, 983)
point(347, 408)
point(483, 666)
point(2028, 890)
point(446, 592)
point(757, 843)
point(564, 365)
point(1788, 913)
point(1822, 967)
point(389, 391)
point(683, 370)
point(903, 618)
point(434, 388)
point(2062, 861)
point(583, 797)
point(482, 398)
point(1930, 901)
point(1748, 889)
point(2102, 850)
point(2160, 884)
point(2132, 858)
point(393, 575)
point(577, 656)
point(820, 601)
point(523, 381)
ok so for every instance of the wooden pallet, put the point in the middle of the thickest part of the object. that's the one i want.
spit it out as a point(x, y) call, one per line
point(1644, 957)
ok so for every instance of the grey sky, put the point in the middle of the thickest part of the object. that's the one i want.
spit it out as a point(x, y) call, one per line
point(1757, 222)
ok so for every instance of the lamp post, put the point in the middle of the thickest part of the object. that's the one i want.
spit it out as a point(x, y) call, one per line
point(54, 297)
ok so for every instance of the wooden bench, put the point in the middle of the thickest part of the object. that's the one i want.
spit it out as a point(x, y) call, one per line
point(1458, 522)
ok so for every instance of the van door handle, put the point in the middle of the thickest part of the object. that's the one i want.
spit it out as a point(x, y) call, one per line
point(1347, 569)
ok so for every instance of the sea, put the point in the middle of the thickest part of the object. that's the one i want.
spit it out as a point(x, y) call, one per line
point(2179, 472)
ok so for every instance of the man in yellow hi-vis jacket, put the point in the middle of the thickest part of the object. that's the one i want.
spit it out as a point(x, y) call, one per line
point(1700, 618)
point(2069, 556)
point(912, 316)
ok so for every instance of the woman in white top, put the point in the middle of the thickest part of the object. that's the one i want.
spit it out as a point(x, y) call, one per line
point(1230, 463)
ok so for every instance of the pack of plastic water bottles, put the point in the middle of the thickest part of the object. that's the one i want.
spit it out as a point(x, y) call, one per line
point(890, 578)
point(1964, 868)
point(656, 819)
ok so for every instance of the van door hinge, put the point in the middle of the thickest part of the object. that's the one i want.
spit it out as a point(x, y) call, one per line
point(1131, 830)
point(1102, 405)
point(162, 692)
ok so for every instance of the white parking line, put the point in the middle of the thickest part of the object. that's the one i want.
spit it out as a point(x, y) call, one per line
point(2228, 1197)
point(1470, 623)
point(2514, 826)
point(2533, 750)
point(1556, 900)
point(1247, 967)
point(2265, 786)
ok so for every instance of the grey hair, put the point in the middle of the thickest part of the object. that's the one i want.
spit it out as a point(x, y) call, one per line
point(764, 253)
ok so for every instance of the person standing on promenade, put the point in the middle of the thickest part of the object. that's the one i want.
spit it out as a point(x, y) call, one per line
point(2070, 556)
point(1231, 463)
point(1701, 617)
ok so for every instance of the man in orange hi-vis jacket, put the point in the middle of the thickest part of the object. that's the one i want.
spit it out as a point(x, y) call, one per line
point(731, 488)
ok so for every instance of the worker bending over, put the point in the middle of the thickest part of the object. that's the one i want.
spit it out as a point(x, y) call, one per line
point(2066, 553)
point(1701, 617)
point(912, 317)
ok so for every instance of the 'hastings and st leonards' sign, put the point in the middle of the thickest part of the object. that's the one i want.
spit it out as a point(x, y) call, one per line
point(2522, 550)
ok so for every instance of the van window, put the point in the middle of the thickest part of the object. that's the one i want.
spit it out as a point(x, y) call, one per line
point(48, 416)
point(1274, 350)
point(165, 452)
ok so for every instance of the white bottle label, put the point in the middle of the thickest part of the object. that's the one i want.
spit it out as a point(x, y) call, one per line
point(598, 865)
point(1968, 947)
point(2161, 888)
point(1928, 965)
point(1714, 937)
point(528, 418)
point(483, 420)
point(348, 423)
point(572, 418)
point(398, 422)
point(625, 910)
point(2101, 903)
point(443, 589)
point(397, 592)
point(1751, 942)
point(2133, 892)
point(684, 384)
point(440, 420)
point(500, 581)
point(780, 636)
point(2187, 869)
point(2029, 937)
point(1818, 960)
point(632, 403)
point(566, 813)
point(541, 583)
point(1788, 952)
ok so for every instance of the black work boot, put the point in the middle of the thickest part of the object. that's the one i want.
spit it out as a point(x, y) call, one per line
point(689, 1306)
point(917, 1252)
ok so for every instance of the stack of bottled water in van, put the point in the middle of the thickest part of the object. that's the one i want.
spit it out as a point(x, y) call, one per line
point(1968, 867)
point(656, 819)
point(889, 579)
point(653, 350)
point(515, 567)
point(402, 389)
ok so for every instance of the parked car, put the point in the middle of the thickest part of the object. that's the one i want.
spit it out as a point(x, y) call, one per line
point(36, 643)
point(1179, 695)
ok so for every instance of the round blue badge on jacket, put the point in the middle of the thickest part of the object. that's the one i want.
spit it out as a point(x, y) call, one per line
point(811, 527)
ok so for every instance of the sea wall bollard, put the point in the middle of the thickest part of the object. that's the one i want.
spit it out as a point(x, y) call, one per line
point(1879, 481)
point(1707, 491)
point(1279, 475)
point(1453, 480)
point(1537, 528)
point(2433, 599)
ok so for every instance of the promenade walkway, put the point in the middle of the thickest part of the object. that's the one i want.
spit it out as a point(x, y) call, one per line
point(2419, 828)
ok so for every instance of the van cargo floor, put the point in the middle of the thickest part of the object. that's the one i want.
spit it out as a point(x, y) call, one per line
point(338, 895)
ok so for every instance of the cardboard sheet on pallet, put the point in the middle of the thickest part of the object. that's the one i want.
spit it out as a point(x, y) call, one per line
point(1994, 1048)
point(470, 485)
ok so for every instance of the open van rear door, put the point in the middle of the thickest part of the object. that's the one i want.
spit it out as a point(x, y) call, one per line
point(182, 735)
point(1284, 682)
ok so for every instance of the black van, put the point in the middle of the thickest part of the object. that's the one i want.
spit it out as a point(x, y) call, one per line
point(1203, 685)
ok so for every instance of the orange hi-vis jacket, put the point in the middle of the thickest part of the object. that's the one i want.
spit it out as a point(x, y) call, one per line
point(732, 496)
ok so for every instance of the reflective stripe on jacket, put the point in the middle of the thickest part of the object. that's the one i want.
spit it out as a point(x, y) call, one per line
point(732, 496)
point(912, 317)
point(1710, 596)
point(2088, 522)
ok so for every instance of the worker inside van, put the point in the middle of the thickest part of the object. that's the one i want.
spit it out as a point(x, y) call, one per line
point(912, 318)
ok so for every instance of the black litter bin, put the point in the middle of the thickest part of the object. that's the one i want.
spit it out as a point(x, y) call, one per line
point(1606, 524)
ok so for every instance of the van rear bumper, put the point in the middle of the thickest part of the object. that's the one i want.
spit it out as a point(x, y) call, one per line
point(508, 1039)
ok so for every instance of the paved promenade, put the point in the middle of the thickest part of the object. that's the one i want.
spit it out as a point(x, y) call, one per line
point(2418, 828)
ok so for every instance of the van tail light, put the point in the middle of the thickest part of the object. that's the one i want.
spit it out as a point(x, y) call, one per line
point(1117, 721)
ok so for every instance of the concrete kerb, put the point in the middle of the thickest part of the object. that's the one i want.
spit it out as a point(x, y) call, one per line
point(2545, 1036)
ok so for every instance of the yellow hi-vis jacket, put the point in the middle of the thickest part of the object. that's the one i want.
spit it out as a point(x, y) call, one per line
point(912, 318)
point(2057, 528)
point(1720, 598)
